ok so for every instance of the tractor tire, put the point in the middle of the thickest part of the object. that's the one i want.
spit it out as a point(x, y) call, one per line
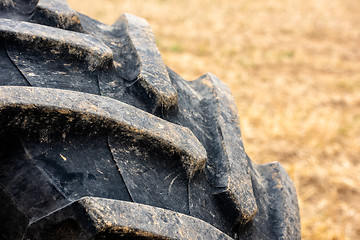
point(99, 139)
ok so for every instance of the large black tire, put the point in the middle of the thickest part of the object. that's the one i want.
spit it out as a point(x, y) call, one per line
point(100, 140)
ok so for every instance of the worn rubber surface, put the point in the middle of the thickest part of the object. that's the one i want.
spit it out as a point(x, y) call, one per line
point(100, 140)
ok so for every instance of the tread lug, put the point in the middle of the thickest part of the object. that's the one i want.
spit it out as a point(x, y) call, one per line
point(57, 13)
point(139, 125)
point(80, 46)
point(228, 168)
point(284, 197)
point(277, 217)
point(93, 218)
point(6, 4)
point(139, 61)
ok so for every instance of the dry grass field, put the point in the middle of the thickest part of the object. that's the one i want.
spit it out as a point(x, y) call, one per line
point(294, 70)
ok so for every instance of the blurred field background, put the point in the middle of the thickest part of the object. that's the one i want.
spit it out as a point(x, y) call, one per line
point(294, 70)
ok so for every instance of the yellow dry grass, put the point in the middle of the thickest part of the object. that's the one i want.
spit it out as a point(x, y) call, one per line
point(294, 70)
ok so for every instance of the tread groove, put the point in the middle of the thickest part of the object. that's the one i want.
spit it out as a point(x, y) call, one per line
point(118, 169)
point(27, 80)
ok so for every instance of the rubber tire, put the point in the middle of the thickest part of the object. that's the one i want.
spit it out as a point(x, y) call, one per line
point(100, 140)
